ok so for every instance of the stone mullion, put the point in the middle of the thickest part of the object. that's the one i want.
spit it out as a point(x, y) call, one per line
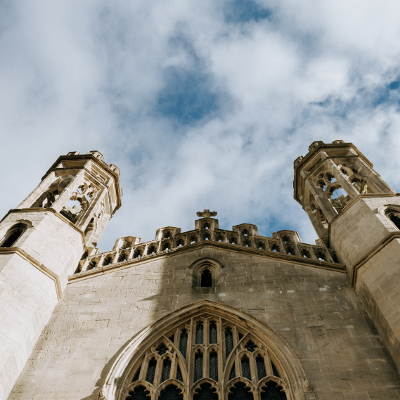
point(253, 369)
point(116, 256)
point(206, 352)
point(312, 251)
point(342, 179)
point(130, 255)
point(206, 362)
point(238, 364)
point(177, 335)
point(223, 341)
point(221, 363)
point(174, 364)
point(323, 202)
point(235, 336)
point(68, 191)
point(143, 370)
point(268, 365)
point(206, 332)
point(189, 353)
point(157, 375)
point(84, 264)
point(374, 181)
point(319, 227)
point(86, 215)
point(257, 394)
point(296, 249)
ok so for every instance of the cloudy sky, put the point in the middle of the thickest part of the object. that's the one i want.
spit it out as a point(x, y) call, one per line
point(201, 104)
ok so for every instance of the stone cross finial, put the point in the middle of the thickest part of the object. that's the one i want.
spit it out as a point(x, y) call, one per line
point(206, 213)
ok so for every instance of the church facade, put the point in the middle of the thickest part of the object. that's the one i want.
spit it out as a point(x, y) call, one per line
point(208, 314)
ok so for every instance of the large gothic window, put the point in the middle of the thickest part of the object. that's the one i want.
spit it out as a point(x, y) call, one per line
point(206, 358)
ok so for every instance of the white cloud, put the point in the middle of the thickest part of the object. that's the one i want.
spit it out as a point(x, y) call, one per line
point(87, 75)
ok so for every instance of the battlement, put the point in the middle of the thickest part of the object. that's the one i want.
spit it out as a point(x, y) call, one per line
point(170, 239)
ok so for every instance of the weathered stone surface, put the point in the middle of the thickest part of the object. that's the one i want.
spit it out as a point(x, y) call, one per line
point(315, 311)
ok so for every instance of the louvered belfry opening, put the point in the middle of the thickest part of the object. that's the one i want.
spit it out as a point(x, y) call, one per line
point(207, 357)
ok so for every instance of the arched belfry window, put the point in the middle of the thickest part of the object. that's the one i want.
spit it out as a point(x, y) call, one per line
point(394, 216)
point(206, 272)
point(206, 356)
point(206, 278)
point(13, 234)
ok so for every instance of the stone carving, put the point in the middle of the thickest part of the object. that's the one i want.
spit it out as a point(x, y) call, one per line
point(206, 213)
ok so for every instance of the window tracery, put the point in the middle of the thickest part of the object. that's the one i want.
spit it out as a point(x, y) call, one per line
point(207, 358)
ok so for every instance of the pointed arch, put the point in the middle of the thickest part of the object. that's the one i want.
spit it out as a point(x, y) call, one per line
point(245, 329)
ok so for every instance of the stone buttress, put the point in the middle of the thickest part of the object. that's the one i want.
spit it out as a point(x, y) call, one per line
point(358, 215)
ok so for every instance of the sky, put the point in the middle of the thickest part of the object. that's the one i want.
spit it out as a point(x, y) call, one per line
point(201, 104)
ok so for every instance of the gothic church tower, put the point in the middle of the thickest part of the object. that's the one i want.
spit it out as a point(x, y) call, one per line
point(358, 215)
point(41, 243)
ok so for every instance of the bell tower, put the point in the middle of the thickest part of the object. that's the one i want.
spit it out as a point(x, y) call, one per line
point(41, 243)
point(358, 215)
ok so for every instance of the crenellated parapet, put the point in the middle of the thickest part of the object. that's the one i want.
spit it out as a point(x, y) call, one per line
point(243, 237)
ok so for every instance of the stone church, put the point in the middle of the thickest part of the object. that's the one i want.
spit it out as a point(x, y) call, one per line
point(208, 314)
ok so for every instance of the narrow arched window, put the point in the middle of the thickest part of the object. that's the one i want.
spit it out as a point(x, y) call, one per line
point(151, 370)
point(394, 216)
point(246, 368)
point(260, 367)
point(199, 333)
point(198, 366)
point(206, 278)
point(213, 333)
point(183, 342)
point(13, 235)
point(166, 370)
point(228, 341)
point(214, 365)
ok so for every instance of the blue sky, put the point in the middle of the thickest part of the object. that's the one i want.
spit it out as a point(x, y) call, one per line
point(200, 104)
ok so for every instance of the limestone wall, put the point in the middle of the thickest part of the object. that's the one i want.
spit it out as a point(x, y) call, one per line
point(360, 228)
point(314, 310)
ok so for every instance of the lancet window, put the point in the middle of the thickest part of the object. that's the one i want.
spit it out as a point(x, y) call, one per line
point(394, 216)
point(13, 235)
point(207, 358)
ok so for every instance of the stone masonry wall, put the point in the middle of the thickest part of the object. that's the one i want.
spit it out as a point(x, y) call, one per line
point(315, 311)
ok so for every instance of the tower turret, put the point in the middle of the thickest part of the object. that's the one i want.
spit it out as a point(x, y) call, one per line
point(358, 215)
point(41, 243)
